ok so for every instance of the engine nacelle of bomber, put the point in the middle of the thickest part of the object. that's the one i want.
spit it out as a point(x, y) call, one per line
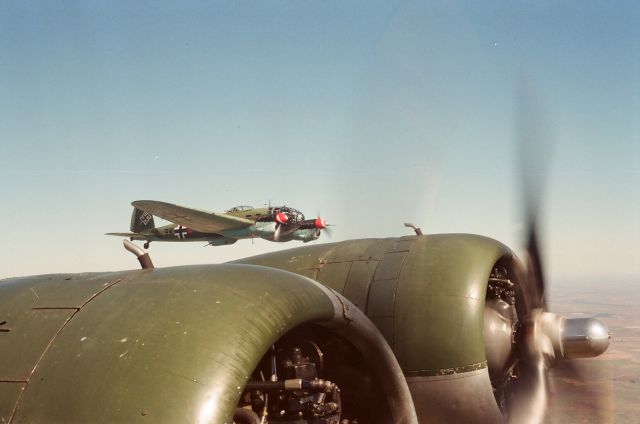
point(420, 328)
point(445, 303)
point(181, 344)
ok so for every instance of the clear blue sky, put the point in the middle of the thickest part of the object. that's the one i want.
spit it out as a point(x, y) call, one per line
point(371, 113)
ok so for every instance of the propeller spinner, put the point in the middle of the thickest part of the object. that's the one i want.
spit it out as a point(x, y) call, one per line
point(289, 220)
point(281, 218)
point(321, 225)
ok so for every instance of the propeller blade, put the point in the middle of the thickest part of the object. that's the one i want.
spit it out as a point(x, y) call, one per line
point(535, 275)
point(276, 234)
point(534, 142)
point(321, 224)
point(531, 389)
point(543, 339)
point(530, 401)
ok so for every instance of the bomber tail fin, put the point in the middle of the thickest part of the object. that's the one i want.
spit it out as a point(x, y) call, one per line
point(141, 221)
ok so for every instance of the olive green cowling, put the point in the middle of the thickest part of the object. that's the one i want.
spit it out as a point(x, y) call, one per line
point(178, 344)
point(164, 345)
point(425, 293)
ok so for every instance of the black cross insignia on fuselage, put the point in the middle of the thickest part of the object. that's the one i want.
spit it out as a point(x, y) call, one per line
point(180, 232)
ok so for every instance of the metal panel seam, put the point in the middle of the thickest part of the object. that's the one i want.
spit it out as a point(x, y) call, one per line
point(395, 295)
point(46, 349)
point(447, 371)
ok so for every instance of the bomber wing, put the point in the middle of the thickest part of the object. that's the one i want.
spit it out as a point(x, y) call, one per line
point(203, 221)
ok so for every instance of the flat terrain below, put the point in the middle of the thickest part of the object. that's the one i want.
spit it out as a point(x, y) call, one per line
point(604, 389)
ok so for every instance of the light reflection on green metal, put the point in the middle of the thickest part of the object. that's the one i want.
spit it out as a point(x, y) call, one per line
point(168, 345)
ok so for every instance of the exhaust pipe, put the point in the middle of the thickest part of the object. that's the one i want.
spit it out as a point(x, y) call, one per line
point(143, 257)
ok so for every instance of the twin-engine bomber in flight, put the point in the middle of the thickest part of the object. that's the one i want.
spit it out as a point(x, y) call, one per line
point(277, 223)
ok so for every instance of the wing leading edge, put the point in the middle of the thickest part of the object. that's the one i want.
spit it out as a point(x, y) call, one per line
point(203, 221)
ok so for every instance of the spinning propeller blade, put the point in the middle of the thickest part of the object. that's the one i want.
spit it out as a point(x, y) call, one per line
point(530, 390)
point(276, 234)
point(543, 338)
point(281, 220)
point(321, 224)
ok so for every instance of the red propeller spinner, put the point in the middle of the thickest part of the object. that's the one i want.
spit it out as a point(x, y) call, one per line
point(320, 223)
point(281, 218)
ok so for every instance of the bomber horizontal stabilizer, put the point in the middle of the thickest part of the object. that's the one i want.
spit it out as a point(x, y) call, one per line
point(133, 236)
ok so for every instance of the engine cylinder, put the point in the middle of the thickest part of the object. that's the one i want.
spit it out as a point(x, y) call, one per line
point(497, 334)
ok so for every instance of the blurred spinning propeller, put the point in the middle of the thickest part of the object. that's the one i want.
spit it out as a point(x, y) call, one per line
point(543, 338)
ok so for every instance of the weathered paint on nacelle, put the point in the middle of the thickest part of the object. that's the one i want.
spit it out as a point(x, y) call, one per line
point(167, 345)
point(162, 345)
point(426, 294)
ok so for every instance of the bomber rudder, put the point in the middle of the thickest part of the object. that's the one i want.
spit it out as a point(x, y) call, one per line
point(141, 221)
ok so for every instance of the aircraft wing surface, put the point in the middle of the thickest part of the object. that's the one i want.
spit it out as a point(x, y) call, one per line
point(203, 221)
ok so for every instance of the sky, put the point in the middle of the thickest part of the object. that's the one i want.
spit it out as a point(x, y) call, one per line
point(369, 113)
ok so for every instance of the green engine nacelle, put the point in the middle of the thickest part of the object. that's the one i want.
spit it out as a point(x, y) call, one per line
point(163, 345)
point(426, 294)
point(179, 344)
